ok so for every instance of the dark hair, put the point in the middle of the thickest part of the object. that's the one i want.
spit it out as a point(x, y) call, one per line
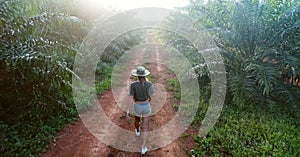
point(142, 79)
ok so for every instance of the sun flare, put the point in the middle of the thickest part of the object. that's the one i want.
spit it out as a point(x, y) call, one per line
point(132, 4)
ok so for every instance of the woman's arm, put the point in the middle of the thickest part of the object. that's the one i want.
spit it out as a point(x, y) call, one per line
point(131, 101)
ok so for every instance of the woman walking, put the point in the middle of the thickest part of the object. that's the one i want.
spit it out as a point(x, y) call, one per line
point(140, 95)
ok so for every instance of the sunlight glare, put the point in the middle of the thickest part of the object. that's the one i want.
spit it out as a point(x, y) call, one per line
point(132, 4)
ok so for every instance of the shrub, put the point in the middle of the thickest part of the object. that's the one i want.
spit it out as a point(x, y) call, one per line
point(251, 131)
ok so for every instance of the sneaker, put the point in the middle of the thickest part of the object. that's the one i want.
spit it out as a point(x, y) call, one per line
point(144, 150)
point(137, 132)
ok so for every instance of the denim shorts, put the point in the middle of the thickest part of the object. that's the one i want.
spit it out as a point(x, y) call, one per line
point(143, 109)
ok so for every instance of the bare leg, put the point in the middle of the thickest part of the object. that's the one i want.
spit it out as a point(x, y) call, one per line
point(137, 122)
point(145, 129)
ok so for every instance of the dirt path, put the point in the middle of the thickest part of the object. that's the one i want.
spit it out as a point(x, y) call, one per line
point(76, 140)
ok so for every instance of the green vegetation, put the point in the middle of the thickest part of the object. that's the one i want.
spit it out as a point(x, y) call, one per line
point(251, 131)
point(39, 42)
point(37, 52)
point(104, 84)
point(174, 86)
point(185, 135)
point(29, 138)
point(259, 42)
point(175, 106)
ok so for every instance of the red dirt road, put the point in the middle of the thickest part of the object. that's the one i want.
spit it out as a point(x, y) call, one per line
point(76, 140)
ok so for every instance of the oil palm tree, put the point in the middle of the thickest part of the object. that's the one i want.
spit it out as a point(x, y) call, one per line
point(248, 32)
point(37, 50)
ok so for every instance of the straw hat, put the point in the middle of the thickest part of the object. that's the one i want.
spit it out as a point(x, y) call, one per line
point(140, 71)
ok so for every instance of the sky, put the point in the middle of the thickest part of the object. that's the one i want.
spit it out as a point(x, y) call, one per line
point(132, 4)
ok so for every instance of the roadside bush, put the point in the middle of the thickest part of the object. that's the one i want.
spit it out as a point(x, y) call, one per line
point(250, 131)
point(37, 50)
